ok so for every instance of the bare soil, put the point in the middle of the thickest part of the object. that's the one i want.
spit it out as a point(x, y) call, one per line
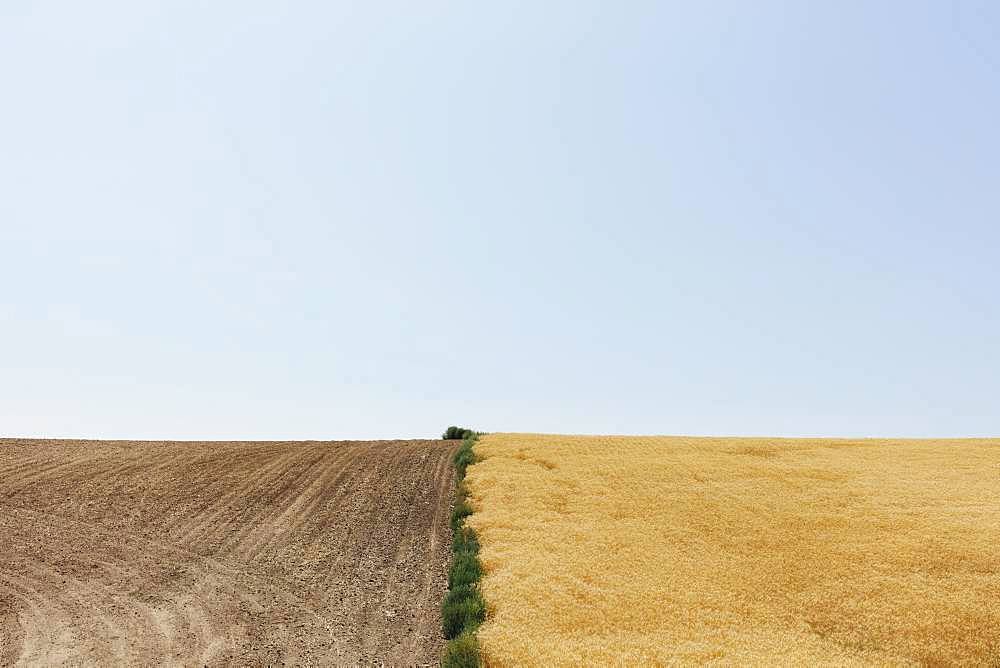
point(215, 553)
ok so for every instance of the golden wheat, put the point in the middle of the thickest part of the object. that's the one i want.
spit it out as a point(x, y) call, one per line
point(630, 550)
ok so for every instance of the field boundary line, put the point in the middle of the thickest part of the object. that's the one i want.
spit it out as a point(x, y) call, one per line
point(464, 608)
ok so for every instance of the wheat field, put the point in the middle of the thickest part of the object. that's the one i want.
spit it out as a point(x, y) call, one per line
point(668, 550)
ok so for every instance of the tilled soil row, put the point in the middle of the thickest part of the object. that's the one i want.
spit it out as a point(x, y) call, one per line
point(213, 553)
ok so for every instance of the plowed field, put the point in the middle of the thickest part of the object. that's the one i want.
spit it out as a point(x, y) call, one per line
point(249, 553)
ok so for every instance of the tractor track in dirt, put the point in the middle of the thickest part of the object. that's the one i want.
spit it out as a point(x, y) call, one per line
point(223, 553)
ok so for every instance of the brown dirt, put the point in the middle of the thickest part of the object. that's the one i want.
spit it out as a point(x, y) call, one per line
point(213, 553)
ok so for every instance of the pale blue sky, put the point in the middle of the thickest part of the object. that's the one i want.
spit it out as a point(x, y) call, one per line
point(332, 220)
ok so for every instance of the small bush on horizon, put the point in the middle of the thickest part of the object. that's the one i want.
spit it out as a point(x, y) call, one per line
point(454, 433)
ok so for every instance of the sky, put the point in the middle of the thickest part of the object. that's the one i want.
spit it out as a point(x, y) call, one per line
point(324, 220)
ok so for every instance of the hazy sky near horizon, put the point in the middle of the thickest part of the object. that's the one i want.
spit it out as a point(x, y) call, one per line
point(340, 220)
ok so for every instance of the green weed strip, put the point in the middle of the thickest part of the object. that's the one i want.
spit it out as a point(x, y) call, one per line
point(463, 609)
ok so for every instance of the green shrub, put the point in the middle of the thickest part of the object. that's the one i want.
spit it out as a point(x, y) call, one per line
point(452, 433)
point(462, 652)
point(463, 457)
point(465, 541)
point(465, 570)
point(463, 610)
point(461, 511)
